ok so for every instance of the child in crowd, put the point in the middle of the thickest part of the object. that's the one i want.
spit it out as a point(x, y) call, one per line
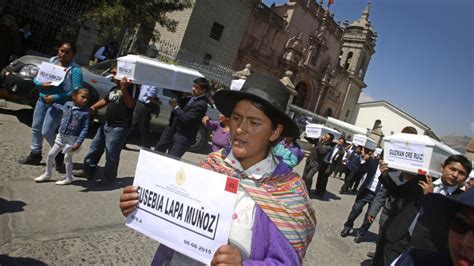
point(72, 132)
point(220, 132)
point(289, 151)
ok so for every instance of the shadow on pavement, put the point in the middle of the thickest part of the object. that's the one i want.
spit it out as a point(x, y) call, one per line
point(25, 116)
point(9, 206)
point(94, 186)
point(7, 260)
point(328, 196)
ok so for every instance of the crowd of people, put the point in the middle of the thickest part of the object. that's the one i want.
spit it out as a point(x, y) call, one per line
point(422, 220)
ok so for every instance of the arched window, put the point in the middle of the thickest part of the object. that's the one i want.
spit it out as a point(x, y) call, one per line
point(409, 130)
point(302, 91)
point(328, 112)
point(348, 60)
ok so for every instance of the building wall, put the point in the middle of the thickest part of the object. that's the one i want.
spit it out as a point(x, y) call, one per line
point(192, 34)
point(350, 103)
point(232, 15)
point(175, 38)
point(392, 121)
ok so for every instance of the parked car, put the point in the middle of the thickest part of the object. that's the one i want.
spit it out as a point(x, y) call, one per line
point(17, 79)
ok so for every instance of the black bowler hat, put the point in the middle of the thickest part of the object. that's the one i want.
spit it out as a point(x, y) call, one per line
point(264, 89)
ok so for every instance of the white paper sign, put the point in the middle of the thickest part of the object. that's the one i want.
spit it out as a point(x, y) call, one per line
point(185, 207)
point(51, 73)
point(405, 153)
point(125, 69)
point(313, 132)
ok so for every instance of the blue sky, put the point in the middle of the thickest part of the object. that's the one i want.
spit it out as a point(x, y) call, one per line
point(424, 59)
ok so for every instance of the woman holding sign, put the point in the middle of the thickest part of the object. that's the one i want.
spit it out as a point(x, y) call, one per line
point(46, 119)
point(273, 221)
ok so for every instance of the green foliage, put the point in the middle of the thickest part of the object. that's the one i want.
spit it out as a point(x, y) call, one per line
point(114, 16)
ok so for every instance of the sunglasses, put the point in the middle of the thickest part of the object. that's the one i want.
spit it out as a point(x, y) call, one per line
point(459, 226)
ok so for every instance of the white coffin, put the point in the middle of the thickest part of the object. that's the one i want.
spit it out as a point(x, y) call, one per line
point(317, 130)
point(237, 84)
point(364, 141)
point(144, 70)
point(416, 153)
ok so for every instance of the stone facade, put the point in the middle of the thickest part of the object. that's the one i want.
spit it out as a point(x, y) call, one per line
point(329, 62)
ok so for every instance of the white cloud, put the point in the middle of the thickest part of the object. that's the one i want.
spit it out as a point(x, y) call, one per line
point(363, 98)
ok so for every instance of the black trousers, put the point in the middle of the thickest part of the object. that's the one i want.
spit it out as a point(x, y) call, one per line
point(348, 180)
point(365, 196)
point(141, 122)
point(310, 168)
point(323, 177)
point(173, 143)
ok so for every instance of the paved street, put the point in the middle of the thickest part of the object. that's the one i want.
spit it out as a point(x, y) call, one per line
point(82, 224)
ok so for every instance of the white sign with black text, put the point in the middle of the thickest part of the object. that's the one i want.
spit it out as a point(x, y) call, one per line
point(51, 74)
point(185, 207)
point(406, 153)
point(125, 69)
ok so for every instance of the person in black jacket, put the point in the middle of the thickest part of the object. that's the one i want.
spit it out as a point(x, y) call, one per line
point(429, 232)
point(406, 201)
point(314, 163)
point(185, 120)
point(365, 195)
point(354, 162)
point(334, 158)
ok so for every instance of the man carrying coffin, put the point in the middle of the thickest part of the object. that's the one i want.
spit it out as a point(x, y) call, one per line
point(327, 166)
point(334, 158)
point(365, 195)
point(185, 120)
point(426, 231)
point(354, 163)
point(111, 136)
point(407, 198)
point(315, 160)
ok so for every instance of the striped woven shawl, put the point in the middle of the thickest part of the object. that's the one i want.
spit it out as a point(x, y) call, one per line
point(283, 198)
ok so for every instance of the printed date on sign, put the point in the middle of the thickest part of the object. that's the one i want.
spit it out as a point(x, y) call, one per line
point(198, 247)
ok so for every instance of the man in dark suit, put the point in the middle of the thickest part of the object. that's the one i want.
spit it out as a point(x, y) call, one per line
point(354, 163)
point(403, 210)
point(366, 195)
point(334, 158)
point(185, 120)
point(315, 161)
point(429, 232)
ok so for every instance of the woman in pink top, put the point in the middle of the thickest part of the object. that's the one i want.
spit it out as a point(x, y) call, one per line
point(221, 132)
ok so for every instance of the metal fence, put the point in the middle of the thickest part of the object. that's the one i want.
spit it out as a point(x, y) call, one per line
point(212, 70)
point(51, 20)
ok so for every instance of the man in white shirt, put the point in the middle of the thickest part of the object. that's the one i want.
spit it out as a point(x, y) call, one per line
point(366, 195)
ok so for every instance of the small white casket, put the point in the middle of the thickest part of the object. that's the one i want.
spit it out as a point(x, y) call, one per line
point(237, 84)
point(317, 130)
point(144, 70)
point(364, 141)
point(416, 153)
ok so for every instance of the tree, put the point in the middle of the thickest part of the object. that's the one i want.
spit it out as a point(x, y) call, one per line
point(115, 17)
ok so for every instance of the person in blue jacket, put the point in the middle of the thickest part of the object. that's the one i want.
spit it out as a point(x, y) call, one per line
point(45, 118)
point(72, 132)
